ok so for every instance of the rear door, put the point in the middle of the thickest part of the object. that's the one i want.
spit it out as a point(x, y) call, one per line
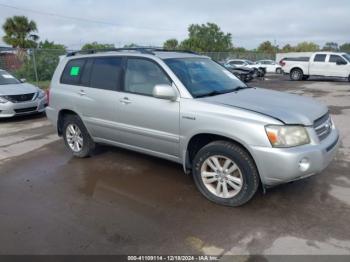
point(318, 65)
point(338, 67)
point(98, 95)
point(145, 121)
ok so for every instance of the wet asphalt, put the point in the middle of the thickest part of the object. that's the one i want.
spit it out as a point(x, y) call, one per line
point(122, 202)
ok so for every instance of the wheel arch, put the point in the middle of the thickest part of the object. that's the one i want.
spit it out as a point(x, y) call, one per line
point(61, 115)
point(199, 140)
point(296, 68)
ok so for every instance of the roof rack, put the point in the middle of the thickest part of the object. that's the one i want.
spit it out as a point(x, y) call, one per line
point(143, 50)
point(173, 50)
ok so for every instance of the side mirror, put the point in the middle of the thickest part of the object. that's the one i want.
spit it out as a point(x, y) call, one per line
point(164, 91)
point(23, 80)
point(340, 62)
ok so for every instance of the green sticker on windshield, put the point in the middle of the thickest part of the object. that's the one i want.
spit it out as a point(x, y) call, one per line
point(74, 71)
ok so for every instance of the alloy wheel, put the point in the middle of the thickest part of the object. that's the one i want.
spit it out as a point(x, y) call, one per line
point(221, 176)
point(74, 138)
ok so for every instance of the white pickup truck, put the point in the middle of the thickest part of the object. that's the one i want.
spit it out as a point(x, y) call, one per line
point(328, 64)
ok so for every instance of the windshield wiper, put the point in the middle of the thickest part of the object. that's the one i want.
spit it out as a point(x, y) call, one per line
point(241, 88)
point(215, 92)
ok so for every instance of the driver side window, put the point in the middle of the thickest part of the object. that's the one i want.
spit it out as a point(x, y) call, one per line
point(142, 76)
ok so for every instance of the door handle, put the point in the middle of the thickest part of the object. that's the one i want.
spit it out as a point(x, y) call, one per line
point(125, 100)
point(82, 93)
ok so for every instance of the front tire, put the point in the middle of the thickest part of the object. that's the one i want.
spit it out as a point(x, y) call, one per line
point(225, 173)
point(76, 137)
point(296, 74)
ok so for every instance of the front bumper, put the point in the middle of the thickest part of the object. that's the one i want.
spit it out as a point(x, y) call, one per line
point(282, 165)
point(10, 109)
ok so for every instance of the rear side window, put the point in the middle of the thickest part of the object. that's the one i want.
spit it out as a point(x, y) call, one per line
point(237, 62)
point(320, 58)
point(106, 73)
point(72, 72)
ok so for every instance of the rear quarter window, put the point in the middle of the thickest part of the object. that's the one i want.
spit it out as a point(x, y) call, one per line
point(72, 72)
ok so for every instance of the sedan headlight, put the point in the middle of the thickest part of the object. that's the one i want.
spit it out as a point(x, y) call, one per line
point(41, 94)
point(287, 136)
point(3, 100)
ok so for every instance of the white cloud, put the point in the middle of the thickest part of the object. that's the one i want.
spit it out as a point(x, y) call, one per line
point(151, 22)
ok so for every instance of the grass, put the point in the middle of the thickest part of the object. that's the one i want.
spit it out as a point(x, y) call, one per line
point(42, 84)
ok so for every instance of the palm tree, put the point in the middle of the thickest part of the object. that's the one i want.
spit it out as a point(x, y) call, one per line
point(20, 32)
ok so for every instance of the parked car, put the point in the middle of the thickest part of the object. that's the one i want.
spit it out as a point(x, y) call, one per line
point(259, 71)
point(244, 73)
point(19, 98)
point(270, 66)
point(188, 109)
point(327, 64)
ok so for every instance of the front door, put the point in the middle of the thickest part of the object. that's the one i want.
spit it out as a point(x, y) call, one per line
point(338, 66)
point(147, 122)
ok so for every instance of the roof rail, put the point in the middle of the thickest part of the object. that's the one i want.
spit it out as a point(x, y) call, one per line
point(143, 50)
point(174, 50)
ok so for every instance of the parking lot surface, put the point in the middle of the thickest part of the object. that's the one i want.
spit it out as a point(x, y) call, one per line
point(121, 202)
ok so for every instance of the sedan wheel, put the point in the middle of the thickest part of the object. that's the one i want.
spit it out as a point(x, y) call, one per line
point(221, 176)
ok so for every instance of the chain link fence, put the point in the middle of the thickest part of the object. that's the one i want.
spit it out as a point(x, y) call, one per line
point(249, 55)
point(35, 65)
point(38, 65)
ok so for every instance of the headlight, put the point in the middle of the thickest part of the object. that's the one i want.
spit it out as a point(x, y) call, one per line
point(3, 100)
point(41, 94)
point(287, 136)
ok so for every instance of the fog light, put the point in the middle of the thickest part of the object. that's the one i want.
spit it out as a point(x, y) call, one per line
point(304, 164)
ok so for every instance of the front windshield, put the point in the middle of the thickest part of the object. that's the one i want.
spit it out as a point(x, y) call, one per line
point(7, 79)
point(249, 62)
point(347, 57)
point(202, 76)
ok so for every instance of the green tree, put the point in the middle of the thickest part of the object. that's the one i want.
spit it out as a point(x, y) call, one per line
point(19, 32)
point(267, 47)
point(345, 48)
point(171, 44)
point(207, 38)
point(46, 61)
point(331, 46)
point(95, 45)
point(288, 48)
point(132, 45)
point(307, 47)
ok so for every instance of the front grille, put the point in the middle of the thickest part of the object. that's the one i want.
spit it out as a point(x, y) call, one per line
point(323, 126)
point(25, 110)
point(20, 98)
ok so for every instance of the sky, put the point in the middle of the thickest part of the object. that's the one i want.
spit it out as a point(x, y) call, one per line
point(151, 22)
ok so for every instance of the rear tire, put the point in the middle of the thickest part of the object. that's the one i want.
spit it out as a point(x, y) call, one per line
point(279, 71)
point(239, 179)
point(296, 74)
point(76, 137)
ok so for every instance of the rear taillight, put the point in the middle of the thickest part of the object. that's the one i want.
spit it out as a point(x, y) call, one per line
point(282, 63)
point(48, 96)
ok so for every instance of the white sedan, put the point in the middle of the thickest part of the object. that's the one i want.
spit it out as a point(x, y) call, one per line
point(270, 65)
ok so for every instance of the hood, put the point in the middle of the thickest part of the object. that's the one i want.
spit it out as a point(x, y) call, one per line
point(17, 89)
point(288, 108)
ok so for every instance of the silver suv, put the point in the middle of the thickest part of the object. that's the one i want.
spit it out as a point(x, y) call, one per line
point(188, 109)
